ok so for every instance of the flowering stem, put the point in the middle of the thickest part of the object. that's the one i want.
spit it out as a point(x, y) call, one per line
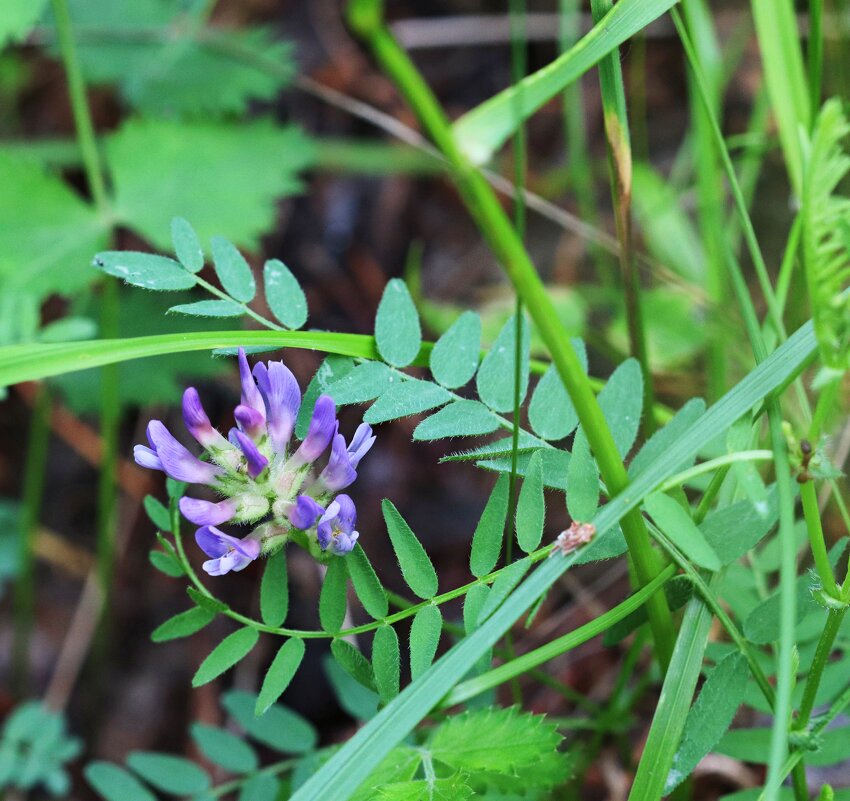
point(366, 17)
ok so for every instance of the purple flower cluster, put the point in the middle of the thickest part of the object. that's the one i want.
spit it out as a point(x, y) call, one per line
point(259, 472)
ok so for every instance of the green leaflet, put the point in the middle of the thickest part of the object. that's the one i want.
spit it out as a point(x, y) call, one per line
point(424, 638)
point(226, 654)
point(415, 565)
point(187, 246)
point(366, 584)
point(224, 748)
point(233, 271)
point(280, 673)
point(157, 513)
point(279, 728)
point(461, 418)
point(679, 526)
point(274, 590)
point(183, 625)
point(502, 587)
point(209, 308)
point(386, 662)
point(115, 784)
point(352, 661)
point(404, 399)
point(364, 383)
point(665, 437)
point(145, 270)
point(168, 773)
point(454, 359)
point(551, 411)
point(284, 295)
point(332, 369)
point(397, 331)
point(261, 787)
point(487, 539)
point(753, 745)
point(19, 17)
point(332, 599)
point(621, 401)
point(495, 379)
point(531, 506)
point(166, 563)
point(359, 701)
point(582, 481)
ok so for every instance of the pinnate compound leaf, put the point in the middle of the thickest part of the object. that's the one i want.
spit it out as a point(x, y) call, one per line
point(145, 270)
point(404, 399)
point(678, 525)
point(115, 784)
point(582, 481)
point(274, 590)
point(366, 584)
point(454, 358)
point(531, 506)
point(487, 539)
point(279, 728)
point(415, 564)
point(621, 401)
point(183, 625)
point(352, 661)
point(386, 662)
point(284, 295)
point(495, 380)
point(226, 654)
point(332, 599)
point(232, 270)
point(224, 748)
point(364, 383)
point(168, 773)
point(491, 739)
point(209, 308)
point(551, 411)
point(424, 638)
point(281, 671)
point(398, 334)
point(224, 177)
point(710, 716)
point(187, 246)
point(461, 418)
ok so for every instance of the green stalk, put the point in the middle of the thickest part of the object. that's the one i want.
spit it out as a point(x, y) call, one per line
point(620, 174)
point(366, 18)
point(815, 56)
point(33, 495)
point(811, 512)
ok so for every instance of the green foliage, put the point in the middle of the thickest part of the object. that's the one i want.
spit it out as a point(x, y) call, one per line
point(274, 590)
point(454, 358)
point(352, 661)
point(495, 380)
point(226, 654)
point(502, 587)
point(183, 625)
point(386, 662)
point(332, 599)
point(187, 246)
point(168, 773)
point(366, 584)
point(116, 784)
point(461, 418)
point(424, 638)
point(284, 295)
point(398, 334)
point(675, 521)
point(279, 728)
point(415, 565)
point(19, 17)
point(551, 411)
point(621, 401)
point(224, 748)
point(405, 398)
point(487, 539)
point(364, 383)
point(582, 481)
point(280, 673)
point(531, 506)
point(232, 270)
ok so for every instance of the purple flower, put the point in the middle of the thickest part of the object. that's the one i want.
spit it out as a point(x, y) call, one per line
point(206, 513)
point(145, 457)
point(341, 468)
point(175, 460)
point(322, 427)
point(250, 421)
point(304, 512)
point(197, 422)
point(282, 397)
point(256, 461)
point(250, 394)
point(336, 526)
point(229, 553)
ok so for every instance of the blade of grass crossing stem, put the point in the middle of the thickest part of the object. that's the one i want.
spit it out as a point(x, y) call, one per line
point(339, 777)
point(620, 173)
point(366, 19)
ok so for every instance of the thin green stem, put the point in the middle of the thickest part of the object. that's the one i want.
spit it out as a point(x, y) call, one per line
point(32, 498)
point(366, 17)
point(811, 513)
point(815, 56)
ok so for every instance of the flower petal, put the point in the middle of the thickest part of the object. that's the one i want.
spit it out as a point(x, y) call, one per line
point(256, 461)
point(282, 397)
point(249, 420)
point(250, 394)
point(212, 541)
point(339, 472)
point(206, 513)
point(304, 512)
point(145, 457)
point(361, 442)
point(322, 427)
point(176, 460)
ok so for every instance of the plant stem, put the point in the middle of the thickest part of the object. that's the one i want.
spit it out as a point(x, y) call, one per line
point(815, 56)
point(366, 17)
point(33, 494)
point(811, 512)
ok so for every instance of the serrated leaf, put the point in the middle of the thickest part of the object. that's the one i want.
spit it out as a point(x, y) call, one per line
point(366, 584)
point(531, 506)
point(680, 528)
point(274, 590)
point(332, 599)
point(224, 748)
point(455, 356)
point(280, 727)
point(710, 716)
point(145, 270)
point(398, 334)
point(187, 246)
point(461, 418)
point(209, 308)
point(582, 481)
point(168, 773)
point(157, 513)
point(166, 563)
point(404, 399)
point(502, 587)
point(551, 411)
point(364, 383)
point(400, 765)
point(621, 401)
point(261, 787)
point(115, 784)
point(49, 233)
point(232, 270)
point(451, 788)
point(424, 639)
point(495, 379)
point(183, 625)
point(224, 177)
point(414, 562)
point(386, 662)
point(352, 661)
point(284, 295)
point(487, 539)
point(226, 654)
point(492, 739)
point(280, 673)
